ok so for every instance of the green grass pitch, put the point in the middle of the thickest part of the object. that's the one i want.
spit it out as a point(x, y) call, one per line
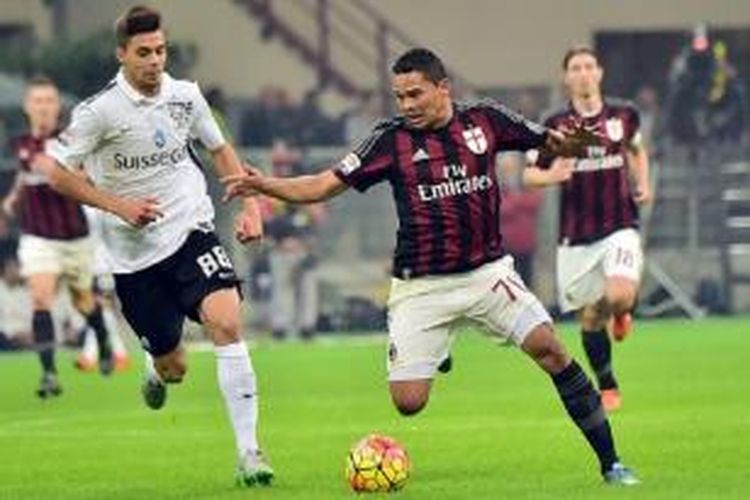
point(494, 427)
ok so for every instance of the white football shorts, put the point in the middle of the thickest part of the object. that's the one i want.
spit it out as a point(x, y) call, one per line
point(582, 270)
point(70, 259)
point(424, 311)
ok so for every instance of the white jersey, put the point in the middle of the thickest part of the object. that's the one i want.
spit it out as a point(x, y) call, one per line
point(102, 264)
point(136, 146)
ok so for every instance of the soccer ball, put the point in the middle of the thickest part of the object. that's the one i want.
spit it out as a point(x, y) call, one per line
point(377, 463)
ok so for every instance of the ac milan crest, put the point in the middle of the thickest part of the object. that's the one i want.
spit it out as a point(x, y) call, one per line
point(475, 140)
point(615, 130)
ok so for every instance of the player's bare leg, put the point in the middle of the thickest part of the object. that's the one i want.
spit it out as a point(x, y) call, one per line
point(172, 367)
point(410, 396)
point(221, 317)
point(169, 368)
point(620, 294)
point(85, 302)
point(580, 399)
point(42, 288)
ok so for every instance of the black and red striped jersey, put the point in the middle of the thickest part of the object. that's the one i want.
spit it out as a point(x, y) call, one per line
point(597, 200)
point(444, 184)
point(43, 211)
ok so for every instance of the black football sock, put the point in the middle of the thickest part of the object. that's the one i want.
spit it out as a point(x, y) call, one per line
point(96, 321)
point(598, 349)
point(44, 339)
point(584, 406)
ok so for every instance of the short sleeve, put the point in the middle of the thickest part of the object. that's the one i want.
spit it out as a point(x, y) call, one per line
point(79, 140)
point(634, 126)
point(204, 127)
point(369, 163)
point(513, 131)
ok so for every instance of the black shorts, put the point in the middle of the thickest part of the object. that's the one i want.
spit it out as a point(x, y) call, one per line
point(156, 300)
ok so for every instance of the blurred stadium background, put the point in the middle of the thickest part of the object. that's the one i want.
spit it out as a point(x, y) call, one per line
point(296, 81)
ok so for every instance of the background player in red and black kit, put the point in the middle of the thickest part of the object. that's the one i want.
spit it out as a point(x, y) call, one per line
point(599, 258)
point(54, 239)
point(449, 264)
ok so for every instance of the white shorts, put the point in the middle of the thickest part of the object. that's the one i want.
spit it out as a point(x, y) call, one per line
point(422, 312)
point(582, 270)
point(70, 259)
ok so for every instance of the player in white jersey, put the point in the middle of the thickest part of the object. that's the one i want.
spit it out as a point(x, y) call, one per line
point(135, 136)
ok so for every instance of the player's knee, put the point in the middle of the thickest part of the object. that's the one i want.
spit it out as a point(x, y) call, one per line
point(172, 371)
point(552, 358)
point(547, 350)
point(83, 302)
point(410, 397)
point(411, 405)
point(225, 330)
point(620, 295)
point(42, 301)
point(620, 301)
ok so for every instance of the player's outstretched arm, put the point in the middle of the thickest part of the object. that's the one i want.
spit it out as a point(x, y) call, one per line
point(559, 171)
point(301, 189)
point(137, 213)
point(248, 225)
point(639, 169)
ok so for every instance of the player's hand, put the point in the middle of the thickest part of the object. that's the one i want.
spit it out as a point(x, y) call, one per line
point(561, 169)
point(139, 212)
point(43, 163)
point(248, 227)
point(242, 185)
point(642, 194)
point(571, 143)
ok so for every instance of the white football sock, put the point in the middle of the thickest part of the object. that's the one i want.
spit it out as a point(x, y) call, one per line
point(237, 384)
point(113, 327)
point(148, 365)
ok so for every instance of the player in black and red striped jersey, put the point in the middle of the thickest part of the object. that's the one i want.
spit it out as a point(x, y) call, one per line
point(599, 258)
point(54, 243)
point(449, 264)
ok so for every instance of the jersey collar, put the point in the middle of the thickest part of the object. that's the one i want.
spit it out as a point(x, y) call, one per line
point(587, 115)
point(138, 98)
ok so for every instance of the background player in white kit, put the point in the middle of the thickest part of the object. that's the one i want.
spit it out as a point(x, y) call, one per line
point(168, 264)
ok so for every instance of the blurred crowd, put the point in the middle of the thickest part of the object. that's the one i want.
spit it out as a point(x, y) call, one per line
point(274, 114)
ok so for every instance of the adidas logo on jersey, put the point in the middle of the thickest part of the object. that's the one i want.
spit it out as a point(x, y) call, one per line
point(420, 155)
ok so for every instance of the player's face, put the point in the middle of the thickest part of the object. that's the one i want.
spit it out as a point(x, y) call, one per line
point(42, 107)
point(423, 103)
point(143, 59)
point(583, 75)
